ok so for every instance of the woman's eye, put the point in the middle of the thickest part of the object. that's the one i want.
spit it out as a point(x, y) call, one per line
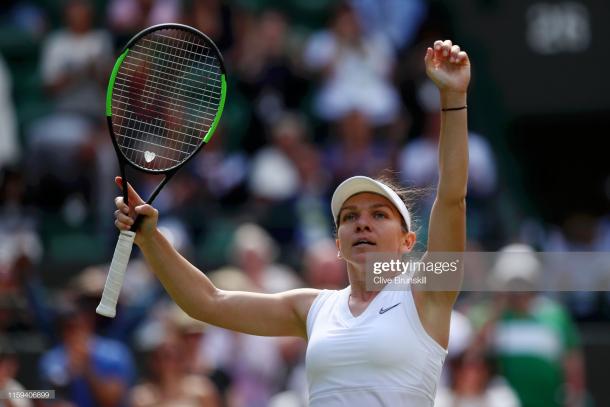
point(349, 216)
point(380, 215)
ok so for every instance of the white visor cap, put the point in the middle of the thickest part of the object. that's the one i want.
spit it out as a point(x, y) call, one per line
point(358, 184)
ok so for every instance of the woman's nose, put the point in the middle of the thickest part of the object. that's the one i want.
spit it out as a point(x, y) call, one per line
point(363, 222)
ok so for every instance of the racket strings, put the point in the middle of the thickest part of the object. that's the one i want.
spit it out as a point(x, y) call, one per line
point(179, 90)
point(166, 96)
point(151, 95)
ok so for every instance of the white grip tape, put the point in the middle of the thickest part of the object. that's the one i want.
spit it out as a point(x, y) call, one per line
point(114, 282)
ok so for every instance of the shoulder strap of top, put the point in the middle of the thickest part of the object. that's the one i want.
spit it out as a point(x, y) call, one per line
point(416, 324)
point(316, 305)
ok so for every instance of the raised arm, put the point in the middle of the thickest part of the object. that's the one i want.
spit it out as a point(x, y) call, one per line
point(449, 68)
point(282, 314)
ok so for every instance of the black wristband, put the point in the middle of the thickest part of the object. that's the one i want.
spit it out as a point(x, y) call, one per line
point(449, 109)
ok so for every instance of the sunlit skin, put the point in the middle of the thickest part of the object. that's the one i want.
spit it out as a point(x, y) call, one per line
point(374, 218)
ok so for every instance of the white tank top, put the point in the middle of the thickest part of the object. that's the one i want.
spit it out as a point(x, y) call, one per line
point(383, 357)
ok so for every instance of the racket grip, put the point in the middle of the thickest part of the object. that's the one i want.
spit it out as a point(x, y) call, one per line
point(114, 281)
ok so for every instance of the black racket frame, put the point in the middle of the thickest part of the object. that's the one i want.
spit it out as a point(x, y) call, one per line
point(123, 161)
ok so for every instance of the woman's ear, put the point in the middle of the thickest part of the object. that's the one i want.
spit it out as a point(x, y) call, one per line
point(338, 249)
point(409, 241)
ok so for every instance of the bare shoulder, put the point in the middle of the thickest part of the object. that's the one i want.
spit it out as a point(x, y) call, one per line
point(301, 300)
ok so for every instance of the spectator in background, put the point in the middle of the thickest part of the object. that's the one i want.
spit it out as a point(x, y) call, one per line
point(460, 339)
point(355, 70)
point(127, 17)
point(255, 252)
point(536, 343)
point(469, 376)
point(169, 382)
point(322, 267)
point(140, 291)
point(18, 235)
point(84, 368)
point(75, 63)
point(190, 335)
point(273, 174)
point(10, 148)
point(298, 183)
point(8, 371)
point(18, 253)
point(27, 16)
point(215, 19)
point(355, 150)
point(223, 171)
point(254, 364)
point(268, 75)
point(294, 384)
point(397, 20)
point(21, 251)
point(248, 367)
point(474, 384)
point(311, 218)
point(581, 232)
point(136, 297)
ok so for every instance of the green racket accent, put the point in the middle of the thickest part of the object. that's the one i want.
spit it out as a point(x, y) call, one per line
point(115, 70)
point(221, 106)
point(165, 98)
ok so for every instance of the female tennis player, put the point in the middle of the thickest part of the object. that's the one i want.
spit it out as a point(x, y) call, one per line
point(365, 348)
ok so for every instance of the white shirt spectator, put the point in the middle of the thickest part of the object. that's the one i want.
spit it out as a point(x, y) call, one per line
point(80, 56)
point(273, 175)
point(358, 79)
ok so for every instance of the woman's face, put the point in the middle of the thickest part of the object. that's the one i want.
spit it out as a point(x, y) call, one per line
point(370, 223)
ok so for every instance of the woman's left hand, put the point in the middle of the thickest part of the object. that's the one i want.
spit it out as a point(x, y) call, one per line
point(448, 67)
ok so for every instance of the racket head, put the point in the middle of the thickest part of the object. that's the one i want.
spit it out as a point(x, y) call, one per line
point(165, 97)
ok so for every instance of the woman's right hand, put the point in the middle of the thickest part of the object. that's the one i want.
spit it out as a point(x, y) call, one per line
point(125, 214)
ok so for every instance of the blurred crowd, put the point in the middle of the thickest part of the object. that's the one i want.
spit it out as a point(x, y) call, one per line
point(317, 91)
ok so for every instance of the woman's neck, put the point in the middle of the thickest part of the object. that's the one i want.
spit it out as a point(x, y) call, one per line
point(358, 285)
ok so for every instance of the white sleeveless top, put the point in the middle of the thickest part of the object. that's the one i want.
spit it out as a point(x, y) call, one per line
point(383, 357)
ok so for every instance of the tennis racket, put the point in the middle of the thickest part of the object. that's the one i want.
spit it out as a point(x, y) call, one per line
point(165, 97)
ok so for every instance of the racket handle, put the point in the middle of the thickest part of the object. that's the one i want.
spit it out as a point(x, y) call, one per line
point(114, 281)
